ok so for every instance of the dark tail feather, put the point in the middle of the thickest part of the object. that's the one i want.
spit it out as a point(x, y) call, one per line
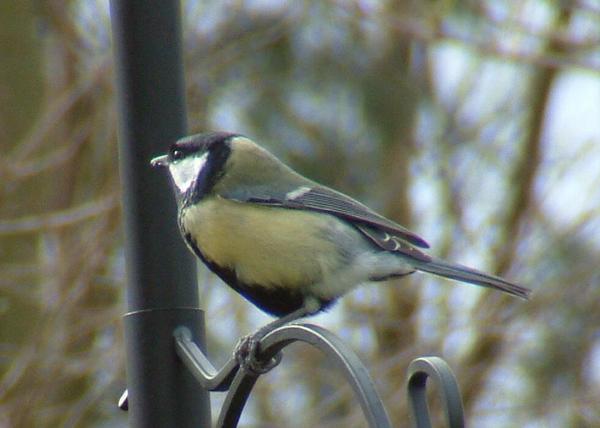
point(472, 276)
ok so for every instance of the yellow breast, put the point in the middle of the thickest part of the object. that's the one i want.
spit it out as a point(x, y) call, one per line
point(269, 246)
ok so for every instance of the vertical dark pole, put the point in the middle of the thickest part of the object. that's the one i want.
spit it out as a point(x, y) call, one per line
point(162, 292)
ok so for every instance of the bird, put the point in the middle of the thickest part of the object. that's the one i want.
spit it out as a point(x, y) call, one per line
point(287, 244)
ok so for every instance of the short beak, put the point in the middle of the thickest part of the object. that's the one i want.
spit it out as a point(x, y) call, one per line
point(160, 161)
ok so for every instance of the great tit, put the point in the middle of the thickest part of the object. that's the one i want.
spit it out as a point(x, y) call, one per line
point(288, 244)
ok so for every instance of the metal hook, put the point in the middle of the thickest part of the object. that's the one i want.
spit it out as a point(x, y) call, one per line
point(240, 383)
point(435, 368)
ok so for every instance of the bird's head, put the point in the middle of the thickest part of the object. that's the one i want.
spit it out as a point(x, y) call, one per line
point(222, 163)
point(196, 162)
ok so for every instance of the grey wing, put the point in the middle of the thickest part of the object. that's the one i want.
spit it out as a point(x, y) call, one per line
point(383, 232)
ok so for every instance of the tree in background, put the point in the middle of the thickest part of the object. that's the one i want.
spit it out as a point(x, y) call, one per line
point(470, 122)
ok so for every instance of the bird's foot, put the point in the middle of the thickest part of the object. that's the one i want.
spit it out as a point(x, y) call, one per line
point(247, 354)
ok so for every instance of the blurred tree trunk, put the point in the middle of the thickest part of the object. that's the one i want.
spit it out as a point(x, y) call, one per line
point(21, 74)
point(54, 172)
point(494, 310)
point(21, 99)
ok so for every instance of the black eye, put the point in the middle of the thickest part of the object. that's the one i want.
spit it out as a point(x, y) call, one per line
point(176, 154)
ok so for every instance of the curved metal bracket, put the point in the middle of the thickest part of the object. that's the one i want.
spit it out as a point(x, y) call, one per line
point(197, 363)
point(241, 382)
point(435, 368)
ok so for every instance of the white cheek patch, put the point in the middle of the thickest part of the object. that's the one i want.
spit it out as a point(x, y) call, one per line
point(186, 171)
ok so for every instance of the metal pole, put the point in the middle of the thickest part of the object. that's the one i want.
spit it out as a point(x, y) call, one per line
point(161, 291)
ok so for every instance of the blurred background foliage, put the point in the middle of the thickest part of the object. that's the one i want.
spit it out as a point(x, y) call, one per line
point(475, 123)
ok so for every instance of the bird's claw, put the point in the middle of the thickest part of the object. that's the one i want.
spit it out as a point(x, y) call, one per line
point(247, 355)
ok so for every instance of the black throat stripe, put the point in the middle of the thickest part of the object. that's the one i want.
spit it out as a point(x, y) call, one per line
point(218, 153)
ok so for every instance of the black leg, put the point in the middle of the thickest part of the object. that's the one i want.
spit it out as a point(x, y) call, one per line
point(247, 350)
